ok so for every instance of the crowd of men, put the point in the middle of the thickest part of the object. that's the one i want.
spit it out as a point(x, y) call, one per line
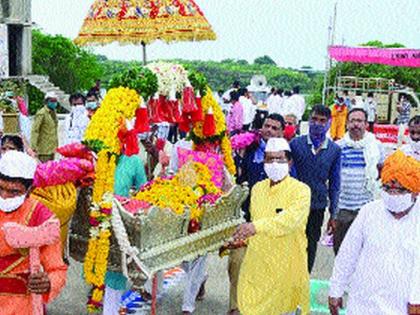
point(345, 177)
point(372, 201)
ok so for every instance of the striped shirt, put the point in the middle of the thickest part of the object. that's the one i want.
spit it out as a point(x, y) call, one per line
point(353, 191)
point(404, 116)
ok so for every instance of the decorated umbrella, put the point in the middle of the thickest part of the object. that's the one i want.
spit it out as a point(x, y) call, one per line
point(144, 21)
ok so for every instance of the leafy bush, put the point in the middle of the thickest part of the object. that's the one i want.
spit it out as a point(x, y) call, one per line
point(36, 99)
point(68, 66)
point(140, 79)
point(198, 81)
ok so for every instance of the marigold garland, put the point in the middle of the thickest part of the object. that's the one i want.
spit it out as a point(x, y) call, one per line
point(105, 168)
point(119, 104)
point(208, 101)
point(186, 189)
point(226, 148)
point(96, 260)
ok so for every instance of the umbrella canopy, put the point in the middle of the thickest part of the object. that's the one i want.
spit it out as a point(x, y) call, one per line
point(144, 21)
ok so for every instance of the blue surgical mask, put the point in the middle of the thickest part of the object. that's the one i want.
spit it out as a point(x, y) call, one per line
point(91, 105)
point(52, 105)
point(318, 132)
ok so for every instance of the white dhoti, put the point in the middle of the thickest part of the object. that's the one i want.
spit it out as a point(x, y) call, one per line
point(195, 276)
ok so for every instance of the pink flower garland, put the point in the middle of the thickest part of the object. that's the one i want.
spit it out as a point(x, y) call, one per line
point(242, 140)
point(209, 198)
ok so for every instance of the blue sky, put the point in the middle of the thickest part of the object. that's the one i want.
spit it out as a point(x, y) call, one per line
point(292, 32)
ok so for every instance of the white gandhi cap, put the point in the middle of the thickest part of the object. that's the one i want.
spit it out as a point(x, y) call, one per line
point(17, 164)
point(277, 145)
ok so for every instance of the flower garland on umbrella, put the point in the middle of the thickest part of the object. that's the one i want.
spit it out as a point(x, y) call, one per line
point(102, 136)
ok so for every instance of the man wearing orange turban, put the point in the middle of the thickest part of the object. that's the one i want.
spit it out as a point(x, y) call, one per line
point(379, 258)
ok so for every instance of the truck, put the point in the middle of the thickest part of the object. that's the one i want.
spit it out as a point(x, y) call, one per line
point(386, 94)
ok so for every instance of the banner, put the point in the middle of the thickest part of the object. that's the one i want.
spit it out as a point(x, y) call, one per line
point(399, 57)
point(387, 133)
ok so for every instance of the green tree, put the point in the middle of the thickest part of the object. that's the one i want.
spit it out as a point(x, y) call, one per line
point(242, 62)
point(68, 66)
point(220, 75)
point(264, 60)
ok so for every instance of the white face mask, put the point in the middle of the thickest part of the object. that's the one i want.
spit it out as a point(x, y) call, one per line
point(11, 204)
point(415, 145)
point(276, 171)
point(78, 109)
point(397, 203)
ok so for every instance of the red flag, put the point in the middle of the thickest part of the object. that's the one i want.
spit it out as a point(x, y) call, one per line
point(142, 120)
point(209, 127)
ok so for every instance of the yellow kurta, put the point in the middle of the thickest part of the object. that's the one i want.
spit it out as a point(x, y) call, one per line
point(274, 275)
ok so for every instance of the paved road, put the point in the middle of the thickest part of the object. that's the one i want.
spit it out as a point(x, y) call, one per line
point(73, 298)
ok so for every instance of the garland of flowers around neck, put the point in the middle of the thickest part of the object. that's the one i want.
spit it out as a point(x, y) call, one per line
point(102, 133)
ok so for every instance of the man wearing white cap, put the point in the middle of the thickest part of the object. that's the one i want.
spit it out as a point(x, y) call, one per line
point(17, 171)
point(274, 277)
point(44, 133)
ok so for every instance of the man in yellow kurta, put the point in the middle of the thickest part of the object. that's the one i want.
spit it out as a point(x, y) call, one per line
point(274, 276)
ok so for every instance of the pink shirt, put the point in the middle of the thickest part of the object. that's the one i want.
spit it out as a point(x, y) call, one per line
point(235, 118)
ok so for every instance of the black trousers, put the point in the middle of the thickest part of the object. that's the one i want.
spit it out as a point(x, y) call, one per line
point(313, 234)
point(173, 134)
point(345, 219)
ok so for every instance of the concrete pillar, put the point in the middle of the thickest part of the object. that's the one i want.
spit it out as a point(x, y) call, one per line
point(27, 50)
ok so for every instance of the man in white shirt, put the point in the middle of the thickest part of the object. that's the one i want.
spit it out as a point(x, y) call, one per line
point(379, 256)
point(288, 105)
point(77, 121)
point(299, 103)
point(249, 108)
point(412, 148)
point(370, 108)
point(360, 102)
point(275, 102)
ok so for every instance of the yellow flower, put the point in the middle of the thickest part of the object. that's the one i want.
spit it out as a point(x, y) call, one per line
point(176, 194)
point(207, 102)
point(119, 104)
point(226, 148)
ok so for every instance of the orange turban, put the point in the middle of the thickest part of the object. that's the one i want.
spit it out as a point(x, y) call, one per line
point(404, 169)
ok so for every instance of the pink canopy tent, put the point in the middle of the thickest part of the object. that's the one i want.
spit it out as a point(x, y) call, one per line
point(399, 57)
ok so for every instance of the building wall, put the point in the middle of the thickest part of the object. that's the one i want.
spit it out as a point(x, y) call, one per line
point(15, 11)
